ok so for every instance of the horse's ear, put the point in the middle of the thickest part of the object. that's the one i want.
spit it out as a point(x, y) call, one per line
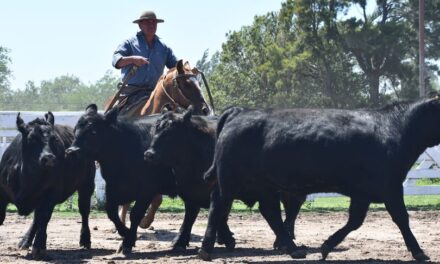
point(92, 108)
point(20, 124)
point(188, 114)
point(187, 66)
point(50, 118)
point(195, 70)
point(179, 67)
point(112, 115)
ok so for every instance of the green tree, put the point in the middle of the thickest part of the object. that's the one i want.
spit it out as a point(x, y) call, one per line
point(5, 73)
point(99, 92)
point(283, 61)
point(328, 69)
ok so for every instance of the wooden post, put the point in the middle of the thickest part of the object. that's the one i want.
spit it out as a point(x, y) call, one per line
point(422, 91)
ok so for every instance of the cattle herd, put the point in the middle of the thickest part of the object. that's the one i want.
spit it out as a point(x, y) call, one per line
point(254, 155)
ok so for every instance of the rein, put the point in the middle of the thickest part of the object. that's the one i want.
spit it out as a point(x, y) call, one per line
point(121, 86)
point(175, 85)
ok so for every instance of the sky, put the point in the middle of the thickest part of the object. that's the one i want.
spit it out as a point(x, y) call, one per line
point(51, 38)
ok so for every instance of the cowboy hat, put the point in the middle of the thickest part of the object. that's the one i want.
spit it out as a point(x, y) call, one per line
point(148, 15)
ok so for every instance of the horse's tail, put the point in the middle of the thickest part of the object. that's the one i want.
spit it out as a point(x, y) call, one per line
point(226, 116)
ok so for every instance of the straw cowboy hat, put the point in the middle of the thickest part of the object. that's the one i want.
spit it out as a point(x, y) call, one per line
point(148, 15)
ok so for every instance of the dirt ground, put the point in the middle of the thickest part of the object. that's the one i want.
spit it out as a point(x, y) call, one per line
point(377, 241)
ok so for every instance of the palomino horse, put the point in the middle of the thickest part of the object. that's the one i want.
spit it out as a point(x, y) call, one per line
point(178, 88)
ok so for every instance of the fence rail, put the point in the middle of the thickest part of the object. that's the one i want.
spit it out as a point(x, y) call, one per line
point(427, 165)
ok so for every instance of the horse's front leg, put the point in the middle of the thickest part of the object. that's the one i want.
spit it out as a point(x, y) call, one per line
point(123, 209)
point(148, 219)
point(26, 240)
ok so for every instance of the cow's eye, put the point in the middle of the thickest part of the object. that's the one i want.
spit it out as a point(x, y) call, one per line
point(32, 140)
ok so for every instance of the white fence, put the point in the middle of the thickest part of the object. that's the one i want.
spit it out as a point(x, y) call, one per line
point(428, 162)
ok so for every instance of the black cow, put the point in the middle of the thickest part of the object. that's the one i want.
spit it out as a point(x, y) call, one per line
point(36, 176)
point(186, 143)
point(118, 146)
point(364, 154)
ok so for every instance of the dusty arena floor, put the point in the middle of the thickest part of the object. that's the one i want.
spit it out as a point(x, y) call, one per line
point(377, 241)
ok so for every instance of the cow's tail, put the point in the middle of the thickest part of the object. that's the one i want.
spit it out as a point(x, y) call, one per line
point(209, 175)
point(227, 115)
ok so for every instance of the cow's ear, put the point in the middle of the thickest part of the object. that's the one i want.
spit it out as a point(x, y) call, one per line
point(92, 108)
point(166, 108)
point(188, 114)
point(50, 118)
point(20, 124)
point(179, 66)
point(112, 115)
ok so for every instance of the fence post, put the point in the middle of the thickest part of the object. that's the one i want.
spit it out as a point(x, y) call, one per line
point(99, 189)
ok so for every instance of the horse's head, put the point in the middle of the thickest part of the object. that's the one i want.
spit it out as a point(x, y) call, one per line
point(186, 88)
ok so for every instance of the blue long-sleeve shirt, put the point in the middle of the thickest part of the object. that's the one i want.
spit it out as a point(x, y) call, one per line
point(159, 56)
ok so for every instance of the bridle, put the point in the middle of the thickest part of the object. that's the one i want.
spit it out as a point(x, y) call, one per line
point(177, 88)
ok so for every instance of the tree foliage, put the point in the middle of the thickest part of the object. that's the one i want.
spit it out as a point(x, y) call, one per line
point(314, 53)
point(64, 93)
point(310, 53)
point(5, 72)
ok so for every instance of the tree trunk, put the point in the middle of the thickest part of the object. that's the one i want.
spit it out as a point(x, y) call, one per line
point(373, 83)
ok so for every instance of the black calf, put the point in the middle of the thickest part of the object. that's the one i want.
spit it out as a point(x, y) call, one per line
point(36, 176)
point(118, 146)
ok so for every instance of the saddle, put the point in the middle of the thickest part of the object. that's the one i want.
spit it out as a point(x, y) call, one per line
point(132, 98)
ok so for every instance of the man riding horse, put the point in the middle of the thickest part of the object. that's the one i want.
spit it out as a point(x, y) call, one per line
point(143, 91)
point(142, 59)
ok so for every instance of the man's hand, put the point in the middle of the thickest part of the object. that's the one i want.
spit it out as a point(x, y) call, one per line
point(139, 60)
point(136, 60)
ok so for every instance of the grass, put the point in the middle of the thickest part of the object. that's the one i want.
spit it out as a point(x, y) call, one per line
point(328, 204)
point(425, 182)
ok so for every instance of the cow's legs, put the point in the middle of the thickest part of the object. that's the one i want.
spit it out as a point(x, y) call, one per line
point(218, 212)
point(292, 205)
point(42, 218)
point(224, 235)
point(396, 208)
point(149, 217)
point(3, 205)
point(271, 211)
point(111, 208)
point(357, 213)
point(137, 211)
point(28, 237)
point(84, 198)
point(181, 241)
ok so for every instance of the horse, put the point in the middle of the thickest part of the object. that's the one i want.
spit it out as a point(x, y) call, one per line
point(177, 89)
